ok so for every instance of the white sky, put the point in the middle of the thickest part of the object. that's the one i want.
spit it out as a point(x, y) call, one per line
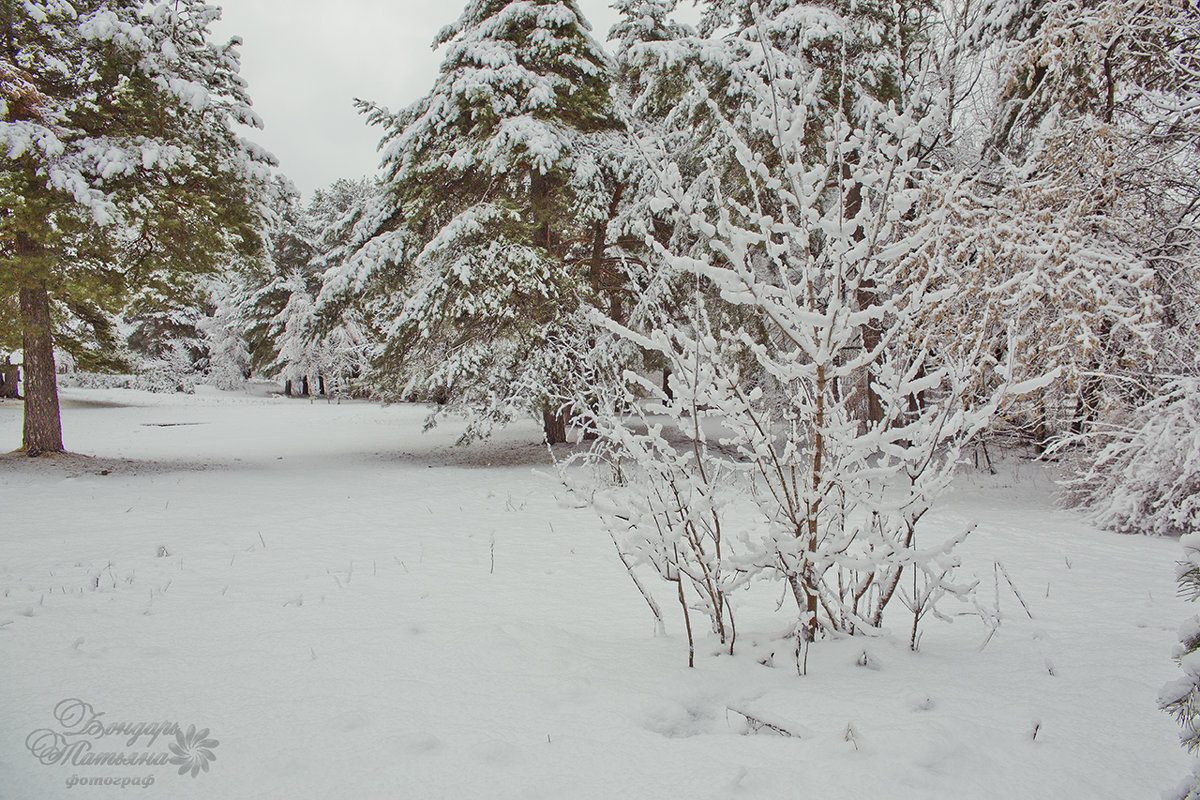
point(306, 60)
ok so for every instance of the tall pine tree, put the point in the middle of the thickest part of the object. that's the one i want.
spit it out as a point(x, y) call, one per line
point(498, 193)
point(124, 173)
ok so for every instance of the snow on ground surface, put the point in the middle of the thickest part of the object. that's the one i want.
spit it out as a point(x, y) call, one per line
point(354, 609)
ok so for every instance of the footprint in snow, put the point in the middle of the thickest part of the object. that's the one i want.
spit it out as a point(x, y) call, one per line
point(419, 743)
point(350, 721)
point(496, 751)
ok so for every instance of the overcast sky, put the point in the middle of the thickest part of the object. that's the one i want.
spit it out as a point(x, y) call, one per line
point(306, 61)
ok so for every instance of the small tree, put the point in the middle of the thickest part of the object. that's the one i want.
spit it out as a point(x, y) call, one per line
point(228, 355)
point(298, 359)
point(826, 242)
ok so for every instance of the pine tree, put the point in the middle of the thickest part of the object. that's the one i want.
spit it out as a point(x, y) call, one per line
point(497, 193)
point(228, 356)
point(1181, 697)
point(123, 169)
point(289, 246)
point(303, 239)
point(298, 361)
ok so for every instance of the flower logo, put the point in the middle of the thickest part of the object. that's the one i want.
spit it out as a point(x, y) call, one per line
point(193, 751)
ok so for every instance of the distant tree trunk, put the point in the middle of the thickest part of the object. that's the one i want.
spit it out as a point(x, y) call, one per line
point(554, 425)
point(916, 401)
point(43, 427)
point(872, 331)
point(287, 387)
point(321, 385)
point(304, 386)
point(596, 274)
point(1087, 403)
point(10, 381)
point(539, 191)
point(1042, 432)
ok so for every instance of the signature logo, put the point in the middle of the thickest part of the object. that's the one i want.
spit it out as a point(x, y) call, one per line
point(85, 737)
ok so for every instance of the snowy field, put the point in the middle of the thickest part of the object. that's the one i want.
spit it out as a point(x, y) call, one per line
point(354, 609)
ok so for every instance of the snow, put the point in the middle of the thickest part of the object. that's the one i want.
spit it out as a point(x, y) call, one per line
point(356, 609)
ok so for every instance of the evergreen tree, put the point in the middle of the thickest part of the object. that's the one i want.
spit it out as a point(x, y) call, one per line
point(289, 247)
point(298, 361)
point(227, 353)
point(497, 194)
point(1181, 697)
point(123, 171)
point(284, 332)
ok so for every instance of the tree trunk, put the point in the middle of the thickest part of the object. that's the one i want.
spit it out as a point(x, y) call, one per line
point(871, 411)
point(9, 381)
point(1087, 403)
point(539, 191)
point(596, 269)
point(554, 425)
point(304, 386)
point(1042, 432)
point(43, 427)
point(287, 388)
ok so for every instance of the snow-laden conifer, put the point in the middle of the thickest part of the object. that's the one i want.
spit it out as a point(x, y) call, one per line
point(223, 331)
point(496, 191)
point(123, 169)
point(1181, 697)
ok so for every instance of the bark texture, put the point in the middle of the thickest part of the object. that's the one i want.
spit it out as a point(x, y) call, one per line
point(554, 425)
point(43, 427)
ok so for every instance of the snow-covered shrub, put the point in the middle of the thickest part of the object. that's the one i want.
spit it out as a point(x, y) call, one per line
point(661, 485)
point(1144, 476)
point(175, 371)
point(811, 373)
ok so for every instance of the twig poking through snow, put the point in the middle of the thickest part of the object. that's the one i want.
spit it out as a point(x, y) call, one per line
point(1013, 586)
point(757, 724)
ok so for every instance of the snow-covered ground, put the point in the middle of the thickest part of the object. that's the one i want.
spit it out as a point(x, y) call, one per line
point(354, 609)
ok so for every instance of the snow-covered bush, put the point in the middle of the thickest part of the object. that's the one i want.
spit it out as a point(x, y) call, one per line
point(1144, 476)
point(809, 374)
point(174, 371)
point(657, 478)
